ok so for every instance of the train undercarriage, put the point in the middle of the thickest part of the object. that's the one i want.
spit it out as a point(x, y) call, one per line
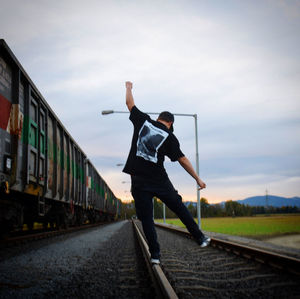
point(17, 210)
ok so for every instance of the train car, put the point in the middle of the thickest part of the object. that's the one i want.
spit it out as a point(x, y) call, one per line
point(44, 175)
point(99, 197)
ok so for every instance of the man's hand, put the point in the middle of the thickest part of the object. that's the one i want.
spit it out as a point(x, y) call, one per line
point(128, 84)
point(201, 184)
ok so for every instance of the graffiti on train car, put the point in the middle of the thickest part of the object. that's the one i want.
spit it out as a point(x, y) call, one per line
point(15, 121)
point(5, 78)
point(11, 118)
point(5, 106)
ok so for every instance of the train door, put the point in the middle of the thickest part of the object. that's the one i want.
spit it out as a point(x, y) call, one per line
point(65, 168)
point(76, 176)
point(81, 180)
point(102, 192)
point(88, 172)
point(60, 161)
point(72, 172)
point(6, 99)
point(51, 158)
point(37, 143)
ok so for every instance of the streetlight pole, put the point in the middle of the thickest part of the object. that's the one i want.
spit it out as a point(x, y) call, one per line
point(198, 172)
point(105, 112)
point(164, 212)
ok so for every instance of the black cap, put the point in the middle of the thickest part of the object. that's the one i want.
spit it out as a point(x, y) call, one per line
point(167, 116)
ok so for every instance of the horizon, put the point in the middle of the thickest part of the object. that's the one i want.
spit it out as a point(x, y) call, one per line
point(298, 197)
point(218, 202)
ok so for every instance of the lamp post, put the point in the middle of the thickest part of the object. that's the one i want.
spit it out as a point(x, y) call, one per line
point(105, 112)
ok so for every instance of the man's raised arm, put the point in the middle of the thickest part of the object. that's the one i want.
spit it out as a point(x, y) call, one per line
point(129, 97)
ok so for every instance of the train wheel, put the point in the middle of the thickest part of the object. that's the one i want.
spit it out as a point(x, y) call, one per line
point(45, 224)
point(30, 225)
point(64, 221)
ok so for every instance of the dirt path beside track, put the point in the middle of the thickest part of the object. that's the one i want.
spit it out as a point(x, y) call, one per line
point(292, 241)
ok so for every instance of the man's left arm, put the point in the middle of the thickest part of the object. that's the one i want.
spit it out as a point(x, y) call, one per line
point(187, 165)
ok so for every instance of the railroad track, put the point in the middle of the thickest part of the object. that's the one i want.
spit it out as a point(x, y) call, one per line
point(276, 260)
point(223, 270)
point(40, 234)
point(162, 286)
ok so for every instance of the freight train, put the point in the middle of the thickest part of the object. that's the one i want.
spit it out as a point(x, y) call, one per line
point(45, 177)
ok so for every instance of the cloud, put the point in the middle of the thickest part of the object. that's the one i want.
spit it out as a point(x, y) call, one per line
point(290, 8)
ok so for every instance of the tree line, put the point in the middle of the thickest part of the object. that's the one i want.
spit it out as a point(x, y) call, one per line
point(228, 209)
point(236, 209)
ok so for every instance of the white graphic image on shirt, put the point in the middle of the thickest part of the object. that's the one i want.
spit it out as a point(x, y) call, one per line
point(149, 141)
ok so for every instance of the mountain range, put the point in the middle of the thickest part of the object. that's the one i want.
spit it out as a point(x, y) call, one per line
point(271, 200)
point(263, 200)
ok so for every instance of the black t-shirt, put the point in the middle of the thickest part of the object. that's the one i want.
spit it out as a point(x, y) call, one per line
point(151, 142)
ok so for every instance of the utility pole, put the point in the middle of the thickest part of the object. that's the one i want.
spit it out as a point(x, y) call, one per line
point(267, 200)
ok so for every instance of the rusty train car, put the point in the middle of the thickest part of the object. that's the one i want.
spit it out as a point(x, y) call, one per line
point(44, 175)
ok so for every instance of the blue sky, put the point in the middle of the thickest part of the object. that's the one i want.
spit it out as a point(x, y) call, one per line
point(234, 63)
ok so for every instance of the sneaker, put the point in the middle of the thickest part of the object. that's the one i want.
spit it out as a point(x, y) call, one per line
point(155, 261)
point(204, 241)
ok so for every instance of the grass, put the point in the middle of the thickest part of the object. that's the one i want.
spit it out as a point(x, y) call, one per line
point(256, 226)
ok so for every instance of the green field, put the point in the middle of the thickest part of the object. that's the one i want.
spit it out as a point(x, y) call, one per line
point(255, 226)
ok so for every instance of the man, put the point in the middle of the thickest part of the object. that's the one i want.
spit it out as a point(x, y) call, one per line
point(151, 142)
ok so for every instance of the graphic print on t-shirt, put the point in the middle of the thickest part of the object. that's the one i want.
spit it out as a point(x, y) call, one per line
point(149, 141)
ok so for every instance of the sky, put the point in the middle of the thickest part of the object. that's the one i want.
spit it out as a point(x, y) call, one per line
point(236, 64)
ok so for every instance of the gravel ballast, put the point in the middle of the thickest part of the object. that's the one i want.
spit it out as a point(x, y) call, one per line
point(83, 265)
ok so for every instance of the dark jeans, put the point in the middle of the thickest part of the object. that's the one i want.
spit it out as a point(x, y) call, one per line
point(143, 190)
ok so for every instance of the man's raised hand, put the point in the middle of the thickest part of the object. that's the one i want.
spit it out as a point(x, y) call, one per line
point(128, 84)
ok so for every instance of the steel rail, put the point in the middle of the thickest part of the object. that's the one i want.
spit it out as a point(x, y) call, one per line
point(161, 282)
point(45, 234)
point(275, 260)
